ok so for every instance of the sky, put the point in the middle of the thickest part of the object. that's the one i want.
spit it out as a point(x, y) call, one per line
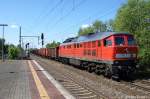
point(57, 19)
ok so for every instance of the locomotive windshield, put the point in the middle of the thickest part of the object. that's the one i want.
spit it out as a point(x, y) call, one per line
point(131, 41)
point(119, 41)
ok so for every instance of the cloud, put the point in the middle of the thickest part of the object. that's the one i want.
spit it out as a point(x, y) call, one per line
point(14, 26)
point(85, 26)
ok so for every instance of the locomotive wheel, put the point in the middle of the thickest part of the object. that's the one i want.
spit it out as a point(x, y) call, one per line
point(63, 61)
point(107, 73)
point(116, 78)
point(116, 73)
point(97, 71)
point(89, 69)
point(82, 66)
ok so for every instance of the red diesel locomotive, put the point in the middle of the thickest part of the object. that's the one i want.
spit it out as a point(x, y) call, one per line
point(111, 53)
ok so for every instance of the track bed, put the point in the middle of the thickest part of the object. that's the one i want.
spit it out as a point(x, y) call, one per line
point(84, 85)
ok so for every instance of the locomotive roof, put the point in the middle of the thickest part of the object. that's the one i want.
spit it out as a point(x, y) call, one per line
point(91, 37)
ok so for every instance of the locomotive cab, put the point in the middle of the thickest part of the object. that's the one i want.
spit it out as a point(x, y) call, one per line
point(125, 50)
point(125, 55)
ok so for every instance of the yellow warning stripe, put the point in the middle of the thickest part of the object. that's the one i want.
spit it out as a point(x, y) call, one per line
point(40, 87)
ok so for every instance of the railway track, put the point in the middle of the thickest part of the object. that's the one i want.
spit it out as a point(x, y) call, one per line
point(76, 86)
point(79, 90)
point(84, 85)
point(143, 85)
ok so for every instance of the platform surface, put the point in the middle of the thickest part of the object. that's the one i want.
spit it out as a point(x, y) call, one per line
point(21, 79)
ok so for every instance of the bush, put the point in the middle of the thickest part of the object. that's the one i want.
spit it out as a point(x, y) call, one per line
point(13, 52)
point(144, 60)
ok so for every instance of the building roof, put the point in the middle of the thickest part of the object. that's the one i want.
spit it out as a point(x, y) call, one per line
point(92, 37)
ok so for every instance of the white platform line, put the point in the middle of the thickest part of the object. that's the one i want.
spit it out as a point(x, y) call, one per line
point(62, 90)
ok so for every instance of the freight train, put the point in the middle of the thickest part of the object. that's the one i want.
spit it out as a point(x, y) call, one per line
point(113, 54)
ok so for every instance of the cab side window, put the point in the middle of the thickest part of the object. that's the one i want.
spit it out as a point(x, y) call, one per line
point(119, 41)
point(107, 42)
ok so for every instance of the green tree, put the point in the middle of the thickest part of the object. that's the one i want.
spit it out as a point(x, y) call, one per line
point(84, 31)
point(13, 52)
point(1, 43)
point(6, 48)
point(131, 18)
point(52, 45)
point(99, 26)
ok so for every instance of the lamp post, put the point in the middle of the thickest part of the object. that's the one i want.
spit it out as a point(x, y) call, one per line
point(3, 25)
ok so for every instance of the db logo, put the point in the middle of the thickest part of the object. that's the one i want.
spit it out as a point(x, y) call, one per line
point(127, 50)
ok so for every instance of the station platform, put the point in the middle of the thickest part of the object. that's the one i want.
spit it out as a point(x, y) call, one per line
point(26, 79)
